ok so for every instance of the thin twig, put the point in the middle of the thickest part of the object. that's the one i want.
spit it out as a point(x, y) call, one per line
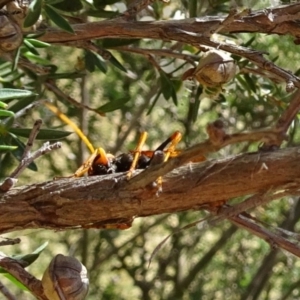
point(274, 240)
point(15, 269)
point(9, 241)
point(160, 52)
point(33, 134)
point(7, 294)
point(50, 85)
point(135, 7)
point(46, 148)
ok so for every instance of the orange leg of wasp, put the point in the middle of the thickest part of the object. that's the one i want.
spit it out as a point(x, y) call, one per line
point(175, 139)
point(137, 153)
point(102, 159)
point(170, 152)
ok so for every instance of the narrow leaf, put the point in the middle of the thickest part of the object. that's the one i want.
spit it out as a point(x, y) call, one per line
point(8, 94)
point(58, 19)
point(16, 282)
point(30, 47)
point(28, 259)
point(37, 43)
point(3, 105)
point(6, 113)
point(68, 6)
point(117, 64)
point(33, 14)
point(113, 105)
point(5, 148)
point(93, 60)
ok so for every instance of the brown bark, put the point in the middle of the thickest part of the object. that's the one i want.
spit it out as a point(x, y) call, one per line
point(280, 20)
point(96, 201)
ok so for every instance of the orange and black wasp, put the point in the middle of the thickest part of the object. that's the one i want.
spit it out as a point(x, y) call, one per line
point(102, 163)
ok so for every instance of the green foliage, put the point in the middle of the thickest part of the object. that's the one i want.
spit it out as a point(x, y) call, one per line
point(57, 19)
point(132, 86)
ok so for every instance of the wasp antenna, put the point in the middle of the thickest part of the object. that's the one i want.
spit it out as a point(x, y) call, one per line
point(65, 119)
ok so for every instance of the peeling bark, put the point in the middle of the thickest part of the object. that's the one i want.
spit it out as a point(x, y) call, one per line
point(94, 202)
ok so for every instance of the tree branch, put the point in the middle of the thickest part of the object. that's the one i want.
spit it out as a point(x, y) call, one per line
point(95, 202)
point(280, 20)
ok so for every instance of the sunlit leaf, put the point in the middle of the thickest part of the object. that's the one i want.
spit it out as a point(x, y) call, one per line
point(7, 94)
point(57, 19)
point(16, 282)
point(5, 148)
point(37, 59)
point(37, 43)
point(28, 259)
point(30, 47)
point(33, 13)
point(44, 134)
point(16, 59)
point(3, 105)
point(6, 113)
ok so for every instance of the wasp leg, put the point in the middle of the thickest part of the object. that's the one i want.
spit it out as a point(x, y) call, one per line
point(174, 139)
point(85, 166)
point(137, 153)
point(99, 157)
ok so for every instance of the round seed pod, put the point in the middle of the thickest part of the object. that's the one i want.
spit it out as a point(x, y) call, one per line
point(214, 69)
point(65, 279)
point(11, 36)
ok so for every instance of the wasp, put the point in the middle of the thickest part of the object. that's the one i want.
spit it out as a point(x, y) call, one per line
point(102, 163)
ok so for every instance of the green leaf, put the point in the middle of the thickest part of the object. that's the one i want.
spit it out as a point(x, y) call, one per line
point(44, 134)
point(30, 47)
point(58, 19)
point(154, 102)
point(51, 2)
point(3, 105)
point(108, 43)
point(102, 3)
point(16, 282)
point(16, 59)
point(22, 103)
point(33, 13)
point(93, 60)
point(67, 5)
point(8, 94)
point(37, 43)
point(73, 75)
point(28, 259)
point(37, 59)
point(116, 63)
point(167, 87)
point(113, 105)
point(101, 13)
point(250, 82)
point(5, 148)
point(6, 113)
